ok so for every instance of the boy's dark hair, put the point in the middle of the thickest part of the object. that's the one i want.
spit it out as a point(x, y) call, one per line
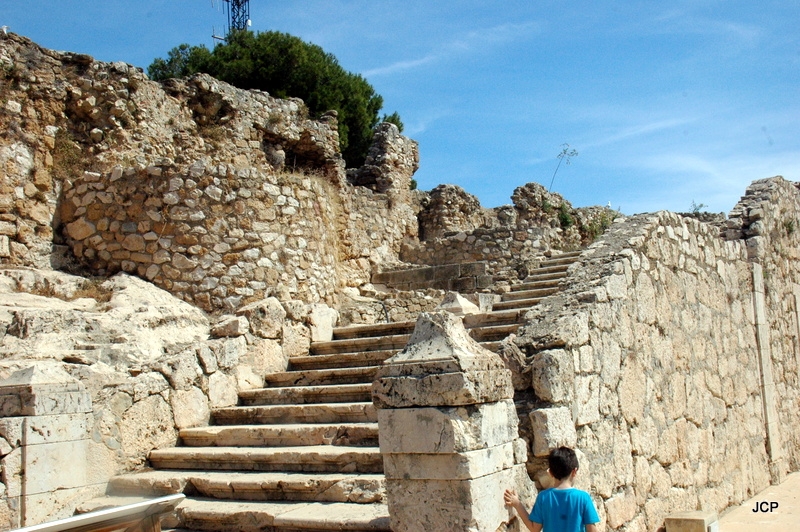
point(561, 462)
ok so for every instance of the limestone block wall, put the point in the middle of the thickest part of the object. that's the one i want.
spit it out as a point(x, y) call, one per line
point(655, 356)
point(767, 219)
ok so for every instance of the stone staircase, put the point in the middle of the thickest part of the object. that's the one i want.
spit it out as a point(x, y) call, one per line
point(302, 453)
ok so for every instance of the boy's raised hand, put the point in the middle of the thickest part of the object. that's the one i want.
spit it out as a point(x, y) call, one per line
point(511, 498)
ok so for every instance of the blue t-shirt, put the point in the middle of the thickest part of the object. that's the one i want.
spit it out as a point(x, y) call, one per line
point(564, 510)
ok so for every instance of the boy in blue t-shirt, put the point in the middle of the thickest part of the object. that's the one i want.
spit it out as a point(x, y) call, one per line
point(561, 508)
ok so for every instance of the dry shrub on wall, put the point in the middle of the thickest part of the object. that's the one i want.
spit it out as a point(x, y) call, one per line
point(68, 158)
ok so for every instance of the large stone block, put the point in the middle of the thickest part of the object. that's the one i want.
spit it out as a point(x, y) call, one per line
point(458, 305)
point(52, 429)
point(692, 521)
point(441, 389)
point(441, 366)
point(470, 464)
point(552, 427)
point(53, 466)
point(321, 320)
point(42, 390)
point(447, 430)
point(553, 374)
point(265, 317)
point(458, 505)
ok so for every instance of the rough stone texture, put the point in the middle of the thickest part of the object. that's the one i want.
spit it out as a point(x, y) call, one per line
point(458, 305)
point(441, 366)
point(449, 433)
point(552, 427)
point(655, 349)
point(45, 471)
point(511, 239)
point(213, 193)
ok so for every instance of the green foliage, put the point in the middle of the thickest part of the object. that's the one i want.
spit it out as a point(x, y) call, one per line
point(286, 66)
point(598, 226)
point(564, 217)
point(394, 118)
point(413, 184)
point(789, 226)
point(547, 207)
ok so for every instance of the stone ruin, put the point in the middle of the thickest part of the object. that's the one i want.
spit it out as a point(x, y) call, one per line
point(196, 296)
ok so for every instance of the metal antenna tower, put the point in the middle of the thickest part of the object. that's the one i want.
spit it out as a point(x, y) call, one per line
point(238, 14)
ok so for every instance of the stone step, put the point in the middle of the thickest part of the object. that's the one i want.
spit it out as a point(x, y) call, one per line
point(534, 293)
point(540, 276)
point(244, 516)
point(492, 346)
point(518, 304)
point(565, 258)
point(357, 412)
point(503, 317)
point(343, 360)
point(362, 434)
point(546, 270)
point(337, 393)
point(355, 345)
point(536, 285)
point(312, 377)
point(362, 488)
point(311, 458)
point(196, 514)
point(375, 329)
point(496, 332)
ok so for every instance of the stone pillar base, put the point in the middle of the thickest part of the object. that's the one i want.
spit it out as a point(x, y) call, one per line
point(469, 505)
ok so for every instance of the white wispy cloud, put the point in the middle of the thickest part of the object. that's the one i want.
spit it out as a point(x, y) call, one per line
point(638, 130)
point(470, 41)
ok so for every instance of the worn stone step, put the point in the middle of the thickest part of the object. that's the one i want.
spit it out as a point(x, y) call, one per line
point(565, 258)
point(326, 376)
point(534, 293)
point(311, 458)
point(544, 270)
point(536, 285)
point(492, 346)
point(495, 332)
point(196, 514)
point(362, 488)
point(355, 412)
point(355, 345)
point(340, 360)
point(503, 317)
point(169, 520)
point(242, 516)
point(337, 393)
point(374, 329)
point(363, 434)
point(518, 304)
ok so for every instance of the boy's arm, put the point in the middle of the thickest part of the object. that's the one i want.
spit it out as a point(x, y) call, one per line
point(512, 499)
point(591, 528)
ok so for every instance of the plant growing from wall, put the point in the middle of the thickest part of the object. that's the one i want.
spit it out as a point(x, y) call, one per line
point(564, 217)
point(565, 153)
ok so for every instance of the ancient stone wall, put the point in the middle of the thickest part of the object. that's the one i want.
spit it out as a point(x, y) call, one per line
point(767, 219)
point(651, 363)
point(510, 239)
point(219, 195)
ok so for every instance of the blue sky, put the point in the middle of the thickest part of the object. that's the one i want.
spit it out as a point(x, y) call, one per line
point(666, 103)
